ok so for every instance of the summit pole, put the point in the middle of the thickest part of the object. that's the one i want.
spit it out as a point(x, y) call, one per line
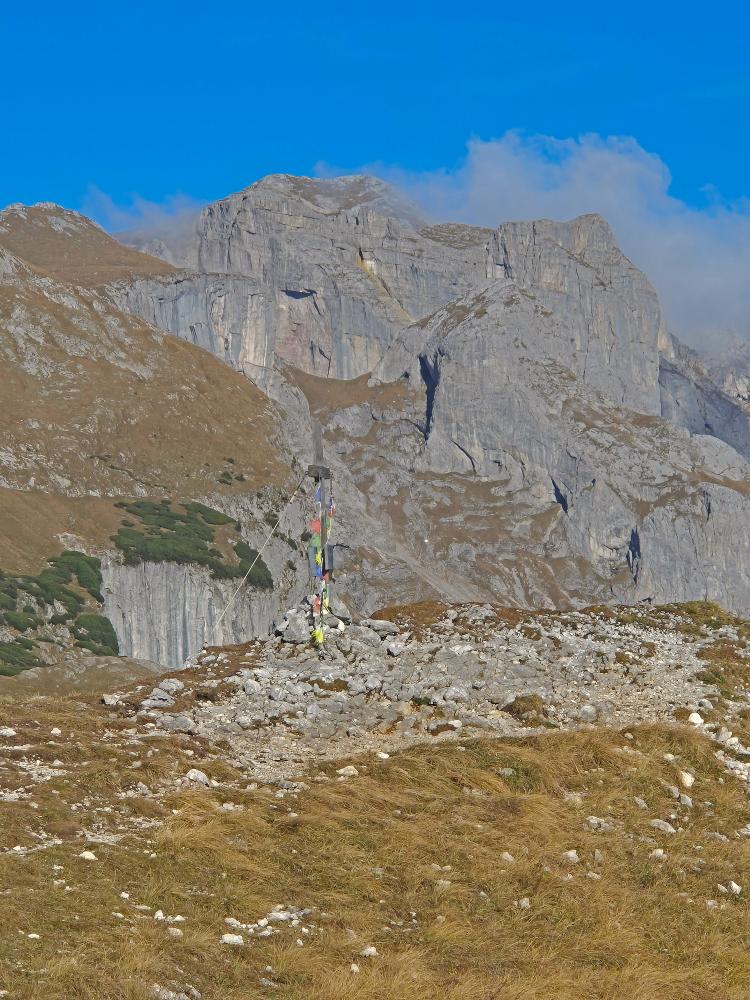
point(320, 474)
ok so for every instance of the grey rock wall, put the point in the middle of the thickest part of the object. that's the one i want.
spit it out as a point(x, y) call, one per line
point(228, 315)
point(596, 313)
point(651, 511)
point(167, 612)
point(535, 364)
point(690, 399)
point(730, 370)
point(337, 277)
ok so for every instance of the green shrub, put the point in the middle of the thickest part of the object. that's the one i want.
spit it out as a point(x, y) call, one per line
point(49, 586)
point(209, 515)
point(87, 570)
point(169, 547)
point(260, 575)
point(20, 621)
point(95, 633)
point(244, 552)
point(14, 658)
point(166, 535)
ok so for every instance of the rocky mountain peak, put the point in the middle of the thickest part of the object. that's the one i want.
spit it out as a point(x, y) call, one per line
point(497, 407)
point(334, 195)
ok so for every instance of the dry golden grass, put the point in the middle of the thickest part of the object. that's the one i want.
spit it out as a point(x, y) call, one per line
point(371, 856)
point(154, 414)
point(80, 253)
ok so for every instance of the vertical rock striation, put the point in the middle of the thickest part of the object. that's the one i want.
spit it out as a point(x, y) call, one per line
point(167, 612)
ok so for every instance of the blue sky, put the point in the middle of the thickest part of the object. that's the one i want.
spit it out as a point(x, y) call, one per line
point(160, 98)
point(482, 112)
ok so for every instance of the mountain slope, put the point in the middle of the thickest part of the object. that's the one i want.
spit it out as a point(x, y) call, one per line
point(104, 404)
point(337, 277)
point(99, 405)
point(512, 442)
point(70, 247)
point(402, 862)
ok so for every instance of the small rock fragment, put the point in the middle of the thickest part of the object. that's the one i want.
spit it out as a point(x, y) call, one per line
point(662, 826)
point(599, 825)
point(234, 940)
point(197, 776)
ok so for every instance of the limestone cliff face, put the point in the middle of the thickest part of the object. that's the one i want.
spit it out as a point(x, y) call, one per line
point(730, 370)
point(167, 612)
point(536, 362)
point(596, 313)
point(530, 432)
point(337, 276)
point(228, 315)
point(313, 274)
point(650, 510)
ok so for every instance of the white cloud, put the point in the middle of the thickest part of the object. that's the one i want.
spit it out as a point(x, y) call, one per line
point(698, 258)
point(175, 212)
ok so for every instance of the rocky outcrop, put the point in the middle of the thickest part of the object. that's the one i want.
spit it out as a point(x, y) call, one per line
point(594, 312)
point(167, 612)
point(338, 276)
point(650, 511)
point(690, 399)
point(228, 315)
point(329, 281)
point(730, 370)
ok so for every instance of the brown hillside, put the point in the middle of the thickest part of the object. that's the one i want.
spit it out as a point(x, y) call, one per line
point(71, 247)
point(95, 402)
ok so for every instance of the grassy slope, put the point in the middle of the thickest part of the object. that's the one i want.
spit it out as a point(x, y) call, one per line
point(70, 247)
point(154, 416)
point(152, 413)
point(363, 853)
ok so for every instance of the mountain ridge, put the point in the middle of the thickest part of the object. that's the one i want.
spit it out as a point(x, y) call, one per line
point(503, 408)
